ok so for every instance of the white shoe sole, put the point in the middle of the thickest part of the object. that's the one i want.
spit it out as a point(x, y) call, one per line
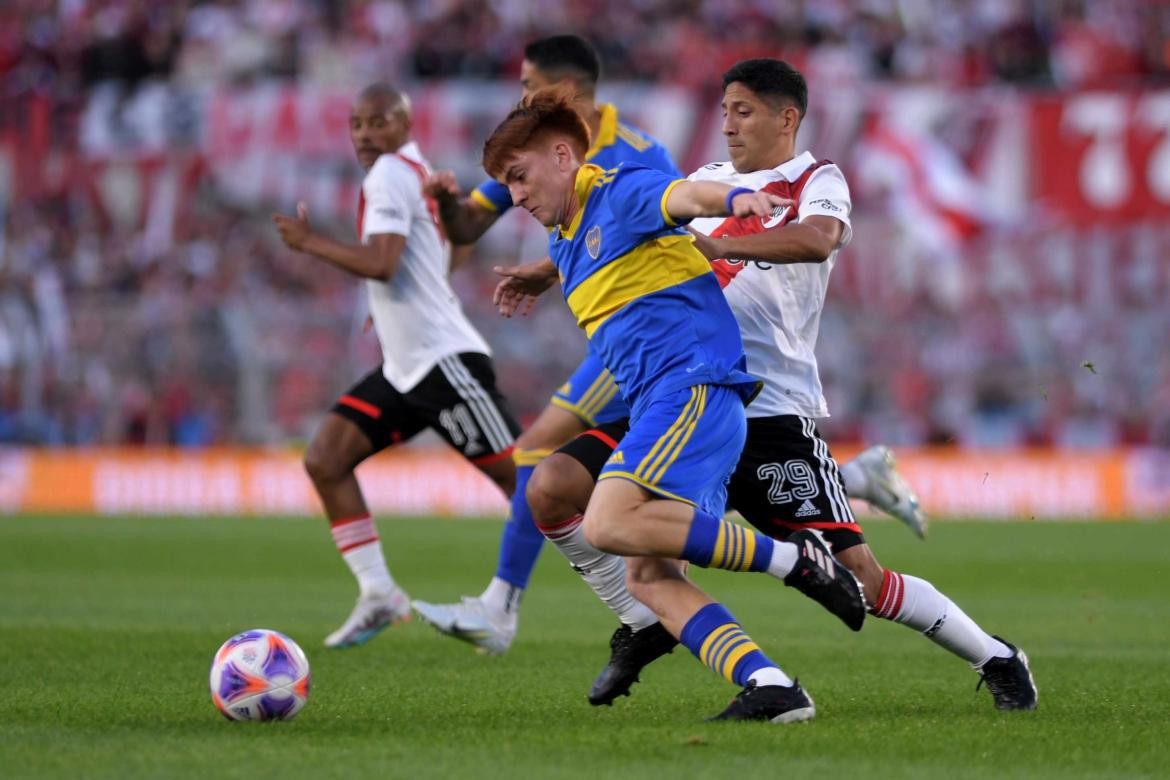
point(796, 716)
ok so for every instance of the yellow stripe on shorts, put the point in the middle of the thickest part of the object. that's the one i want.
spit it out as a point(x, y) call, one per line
point(670, 432)
point(684, 436)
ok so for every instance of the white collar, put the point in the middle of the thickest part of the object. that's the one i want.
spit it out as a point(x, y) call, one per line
point(792, 169)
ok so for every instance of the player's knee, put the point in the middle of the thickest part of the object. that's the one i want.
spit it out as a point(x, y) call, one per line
point(541, 494)
point(321, 464)
point(549, 492)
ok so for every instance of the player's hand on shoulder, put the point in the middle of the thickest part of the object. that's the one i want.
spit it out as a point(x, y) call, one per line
point(293, 230)
point(759, 204)
point(442, 184)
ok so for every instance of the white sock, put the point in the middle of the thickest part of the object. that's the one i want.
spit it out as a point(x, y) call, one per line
point(916, 603)
point(770, 675)
point(784, 555)
point(357, 541)
point(369, 566)
point(502, 597)
point(856, 483)
point(604, 573)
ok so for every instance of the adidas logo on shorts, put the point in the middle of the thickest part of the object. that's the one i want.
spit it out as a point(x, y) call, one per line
point(807, 509)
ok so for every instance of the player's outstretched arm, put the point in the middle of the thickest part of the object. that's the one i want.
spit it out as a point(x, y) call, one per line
point(690, 199)
point(521, 285)
point(463, 219)
point(809, 241)
point(375, 260)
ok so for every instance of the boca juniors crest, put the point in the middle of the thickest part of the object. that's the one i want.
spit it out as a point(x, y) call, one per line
point(593, 241)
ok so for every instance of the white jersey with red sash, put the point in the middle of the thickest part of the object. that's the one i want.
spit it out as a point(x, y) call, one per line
point(417, 316)
point(778, 307)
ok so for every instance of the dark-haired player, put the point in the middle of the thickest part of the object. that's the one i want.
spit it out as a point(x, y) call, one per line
point(590, 397)
point(435, 373)
point(774, 272)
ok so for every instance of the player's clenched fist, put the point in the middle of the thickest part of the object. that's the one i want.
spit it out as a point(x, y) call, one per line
point(293, 230)
point(441, 184)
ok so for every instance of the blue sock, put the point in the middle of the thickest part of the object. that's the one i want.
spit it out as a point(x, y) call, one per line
point(723, 545)
point(718, 641)
point(522, 541)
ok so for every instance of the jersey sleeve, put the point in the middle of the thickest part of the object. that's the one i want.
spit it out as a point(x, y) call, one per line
point(826, 194)
point(637, 197)
point(493, 196)
point(391, 192)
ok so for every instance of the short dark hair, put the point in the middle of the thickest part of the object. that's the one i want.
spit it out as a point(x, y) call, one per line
point(567, 54)
point(771, 79)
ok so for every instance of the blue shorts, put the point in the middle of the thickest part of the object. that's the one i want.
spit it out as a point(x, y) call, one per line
point(591, 394)
point(684, 446)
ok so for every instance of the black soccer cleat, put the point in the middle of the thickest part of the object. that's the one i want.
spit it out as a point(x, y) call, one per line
point(775, 703)
point(1009, 680)
point(818, 575)
point(629, 653)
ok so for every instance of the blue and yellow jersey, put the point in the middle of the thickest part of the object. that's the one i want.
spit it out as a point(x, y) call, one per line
point(615, 143)
point(644, 295)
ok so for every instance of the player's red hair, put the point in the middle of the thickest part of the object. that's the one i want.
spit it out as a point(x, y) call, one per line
point(546, 112)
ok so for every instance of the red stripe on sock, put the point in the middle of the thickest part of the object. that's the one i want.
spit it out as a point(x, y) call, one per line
point(355, 545)
point(353, 532)
point(609, 440)
point(890, 599)
point(563, 528)
point(495, 457)
point(347, 520)
point(884, 595)
point(368, 409)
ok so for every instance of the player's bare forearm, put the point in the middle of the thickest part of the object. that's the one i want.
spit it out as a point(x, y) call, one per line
point(460, 256)
point(690, 199)
point(464, 220)
point(376, 260)
point(811, 241)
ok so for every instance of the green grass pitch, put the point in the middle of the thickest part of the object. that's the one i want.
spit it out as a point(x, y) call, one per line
point(107, 627)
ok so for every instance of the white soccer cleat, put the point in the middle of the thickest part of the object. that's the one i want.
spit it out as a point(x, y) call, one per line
point(889, 491)
point(471, 621)
point(369, 617)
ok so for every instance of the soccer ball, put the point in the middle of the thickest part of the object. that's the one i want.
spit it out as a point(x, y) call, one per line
point(259, 675)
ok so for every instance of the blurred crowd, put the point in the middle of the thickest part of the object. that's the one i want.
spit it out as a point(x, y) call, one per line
point(65, 45)
point(227, 337)
point(107, 337)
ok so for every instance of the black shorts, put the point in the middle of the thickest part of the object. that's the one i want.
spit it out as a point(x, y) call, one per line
point(785, 480)
point(457, 398)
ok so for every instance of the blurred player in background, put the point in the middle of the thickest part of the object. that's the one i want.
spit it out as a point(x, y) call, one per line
point(774, 272)
point(590, 397)
point(436, 372)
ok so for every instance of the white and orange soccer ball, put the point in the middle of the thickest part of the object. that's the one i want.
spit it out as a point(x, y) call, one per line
point(260, 675)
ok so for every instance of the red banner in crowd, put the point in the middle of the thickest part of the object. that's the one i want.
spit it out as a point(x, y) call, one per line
point(1102, 156)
